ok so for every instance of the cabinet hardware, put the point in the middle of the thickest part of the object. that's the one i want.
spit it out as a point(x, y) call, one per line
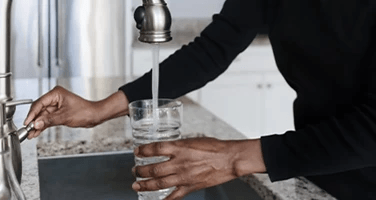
point(40, 34)
point(57, 33)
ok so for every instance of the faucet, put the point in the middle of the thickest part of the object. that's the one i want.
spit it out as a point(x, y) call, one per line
point(153, 20)
point(10, 137)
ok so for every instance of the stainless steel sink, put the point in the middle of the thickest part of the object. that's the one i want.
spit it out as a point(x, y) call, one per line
point(109, 177)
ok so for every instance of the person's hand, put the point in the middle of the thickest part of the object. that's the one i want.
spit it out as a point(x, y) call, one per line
point(196, 164)
point(62, 107)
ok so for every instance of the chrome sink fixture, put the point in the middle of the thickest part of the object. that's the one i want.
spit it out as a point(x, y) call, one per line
point(104, 176)
point(10, 137)
point(153, 19)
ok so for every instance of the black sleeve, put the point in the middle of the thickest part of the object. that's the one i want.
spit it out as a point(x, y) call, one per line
point(337, 144)
point(209, 55)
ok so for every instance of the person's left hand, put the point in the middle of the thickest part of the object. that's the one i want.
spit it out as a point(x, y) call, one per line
point(196, 164)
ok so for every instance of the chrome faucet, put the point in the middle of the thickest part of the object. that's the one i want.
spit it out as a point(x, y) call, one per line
point(153, 19)
point(10, 137)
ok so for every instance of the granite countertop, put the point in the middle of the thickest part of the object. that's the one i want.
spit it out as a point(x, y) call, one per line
point(115, 135)
point(30, 175)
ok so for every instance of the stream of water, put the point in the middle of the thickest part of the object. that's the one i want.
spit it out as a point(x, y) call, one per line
point(155, 86)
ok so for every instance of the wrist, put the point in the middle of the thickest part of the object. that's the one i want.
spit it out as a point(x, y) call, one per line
point(114, 106)
point(248, 158)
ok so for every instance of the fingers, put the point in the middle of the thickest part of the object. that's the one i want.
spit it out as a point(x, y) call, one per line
point(54, 119)
point(38, 127)
point(158, 184)
point(49, 99)
point(156, 149)
point(45, 120)
point(34, 134)
point(179, 193)
point(155, 170)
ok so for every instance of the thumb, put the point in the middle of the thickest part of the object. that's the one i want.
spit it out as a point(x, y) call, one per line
point(49, 120)
point(39, 125)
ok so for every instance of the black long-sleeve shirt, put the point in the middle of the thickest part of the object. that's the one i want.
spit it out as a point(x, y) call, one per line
point(326, 51)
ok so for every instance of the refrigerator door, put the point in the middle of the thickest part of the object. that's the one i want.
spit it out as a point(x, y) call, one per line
point(29, 38)
point(87, 38)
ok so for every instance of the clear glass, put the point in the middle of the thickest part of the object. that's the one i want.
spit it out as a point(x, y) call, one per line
point(168, 120)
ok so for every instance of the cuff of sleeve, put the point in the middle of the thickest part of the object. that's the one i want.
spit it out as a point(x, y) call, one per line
point(276, 158)
point(139, 89)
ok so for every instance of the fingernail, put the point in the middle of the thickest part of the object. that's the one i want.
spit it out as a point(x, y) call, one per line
point(134, 171)
point(39, 125)
point(136, 150)
point(136, 186)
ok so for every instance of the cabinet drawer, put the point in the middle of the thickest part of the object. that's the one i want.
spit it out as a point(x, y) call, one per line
point(237, 100)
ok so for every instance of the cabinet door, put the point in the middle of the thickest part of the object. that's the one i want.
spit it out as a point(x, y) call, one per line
point(279, 98)
point(236, 99)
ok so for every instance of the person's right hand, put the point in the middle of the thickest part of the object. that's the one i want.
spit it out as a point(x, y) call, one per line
point(61, 107)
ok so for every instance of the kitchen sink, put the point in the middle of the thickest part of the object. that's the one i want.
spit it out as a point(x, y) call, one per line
point(108, 177)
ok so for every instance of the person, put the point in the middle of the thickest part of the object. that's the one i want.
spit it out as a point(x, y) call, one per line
point(326, 51)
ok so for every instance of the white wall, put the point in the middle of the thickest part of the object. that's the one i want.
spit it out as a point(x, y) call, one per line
point(195, 8)
point(191, 8)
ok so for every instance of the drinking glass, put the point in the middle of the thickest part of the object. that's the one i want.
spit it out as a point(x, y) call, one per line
point(150, 126)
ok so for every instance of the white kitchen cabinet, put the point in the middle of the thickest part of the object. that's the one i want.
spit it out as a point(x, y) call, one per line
point(252, 95)
point(256, 104)
point(236, 99)
point(278, 110)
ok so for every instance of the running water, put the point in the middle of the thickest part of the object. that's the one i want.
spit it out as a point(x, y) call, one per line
point(155, 86)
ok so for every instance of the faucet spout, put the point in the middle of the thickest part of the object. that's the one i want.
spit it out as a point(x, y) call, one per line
point(153, 19)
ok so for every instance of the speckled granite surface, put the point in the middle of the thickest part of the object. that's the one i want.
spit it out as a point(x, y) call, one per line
point(114, 136)
point(292, 189)
point(30, 176)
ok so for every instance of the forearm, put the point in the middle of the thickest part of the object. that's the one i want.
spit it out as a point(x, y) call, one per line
point(114, 106)
point(340, 143)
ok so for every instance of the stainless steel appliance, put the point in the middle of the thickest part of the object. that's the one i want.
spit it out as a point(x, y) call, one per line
point(87, 38)
point(29, 41)
point(69, 38)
